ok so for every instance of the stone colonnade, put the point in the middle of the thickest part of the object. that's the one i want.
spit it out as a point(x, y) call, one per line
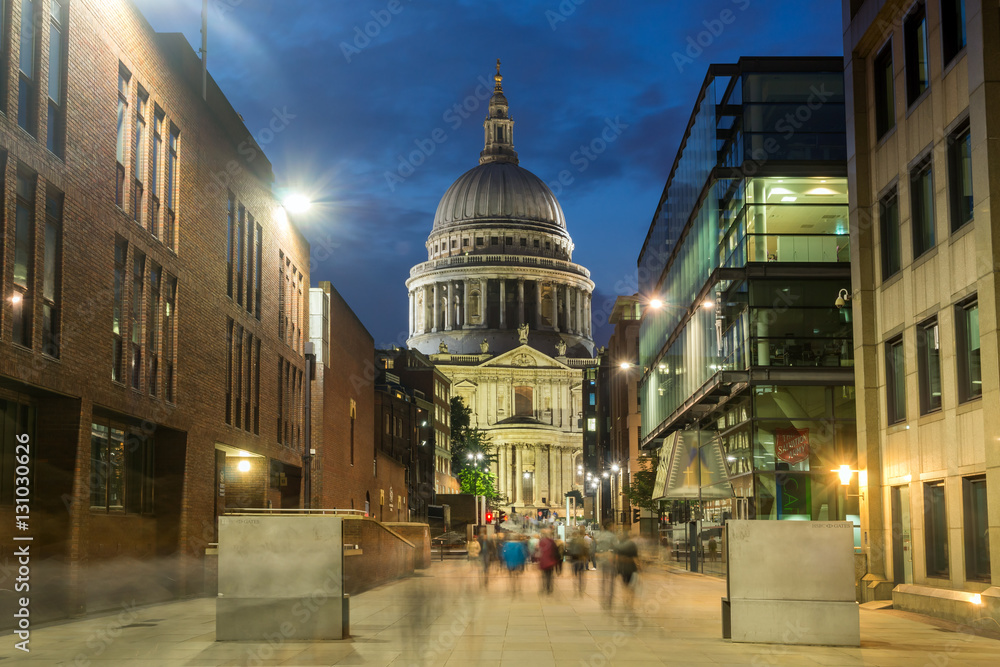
point(550, 470)
point(465, 303)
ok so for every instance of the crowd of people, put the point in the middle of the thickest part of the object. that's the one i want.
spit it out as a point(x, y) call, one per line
point(512, 553)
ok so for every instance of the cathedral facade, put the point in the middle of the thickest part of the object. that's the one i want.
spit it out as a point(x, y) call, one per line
point(503, 311)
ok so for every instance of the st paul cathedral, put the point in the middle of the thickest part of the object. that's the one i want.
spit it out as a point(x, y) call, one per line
point(503, 311)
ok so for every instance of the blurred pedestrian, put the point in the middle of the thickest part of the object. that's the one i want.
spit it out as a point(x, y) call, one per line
point(548, 555)
point(606, 544)
point(561, 552)
point(591, 550)
point(514, 555)
point(579, 557)
point(627, 561)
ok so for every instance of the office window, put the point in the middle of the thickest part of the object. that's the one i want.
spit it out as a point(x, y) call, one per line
point(895, 375)
point(122, 468)
point(173, 180)
point(248, 394)
point(935, 530)
point(281, 398)
point(260, 250)
point(238, 382)
point(240, 225)
point(885, 96)
point(891, 245)
point(139, 154)
point(915, 53)
point(952, 28)
point(230, 239)
point(229, 370)
point(52, 273)
point(123, 81)
point(256, 391)
point(960, 176)
point(922, 207)
point(154, 172)
point(250, 261)
point(970, 377)
point(118, 309)
point(138, 273)
point(929, 366)
point(169, 353)
point(27, 112)
point(977, 526)
point(56, 135)
point(282, 324)
point(153, 327)
point(24, 258)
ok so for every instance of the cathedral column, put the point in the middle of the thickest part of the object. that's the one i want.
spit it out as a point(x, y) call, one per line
point(538, 304)
point(555, 306)
point(518, 474)
point(520, 301)
point(579, 311)
point(465, 303)
point(434, 307)
point(412, 301)
point(446, 289)
point(589, 315)
point(503, 303)
point(555, 458)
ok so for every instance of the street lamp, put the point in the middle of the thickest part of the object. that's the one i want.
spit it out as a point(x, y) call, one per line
point(297, 203)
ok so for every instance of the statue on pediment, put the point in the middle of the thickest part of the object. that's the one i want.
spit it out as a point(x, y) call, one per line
point(522, 334)
point(484, 347)
point(561, 348)
point(443, 348)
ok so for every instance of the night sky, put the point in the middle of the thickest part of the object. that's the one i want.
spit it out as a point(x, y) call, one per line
point(356, 104)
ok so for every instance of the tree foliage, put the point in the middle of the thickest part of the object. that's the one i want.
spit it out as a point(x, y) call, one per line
point(472, 473)
point(640, 488)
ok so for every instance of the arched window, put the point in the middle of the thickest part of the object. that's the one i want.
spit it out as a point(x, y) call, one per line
point(474, 304)
point(523, 402)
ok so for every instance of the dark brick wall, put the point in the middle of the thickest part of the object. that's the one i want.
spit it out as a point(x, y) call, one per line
point(215, 154)
point(385, 556)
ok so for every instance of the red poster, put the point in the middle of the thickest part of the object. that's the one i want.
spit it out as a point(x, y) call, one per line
point(791, 444)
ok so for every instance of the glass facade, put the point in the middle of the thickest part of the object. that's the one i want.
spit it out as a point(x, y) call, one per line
point(747, 253)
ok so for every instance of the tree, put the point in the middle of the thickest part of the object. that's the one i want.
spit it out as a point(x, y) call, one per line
point(472, 455)
point(480, 483)
point(639, 490)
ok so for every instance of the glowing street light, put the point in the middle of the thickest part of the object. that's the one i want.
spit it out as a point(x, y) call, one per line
point(707, 303)
point(615, 468)
point(243, 465)
point(16, 299)
point(297, 203)
point(625, 365)
point(655, 303)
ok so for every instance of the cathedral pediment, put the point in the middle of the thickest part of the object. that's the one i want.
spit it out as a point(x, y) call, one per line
point(465, 384)
point(524, 356)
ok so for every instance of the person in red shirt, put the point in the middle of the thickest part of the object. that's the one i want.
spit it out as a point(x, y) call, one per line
point(548, 557)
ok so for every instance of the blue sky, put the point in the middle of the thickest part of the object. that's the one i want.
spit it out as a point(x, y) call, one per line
point(365, 85)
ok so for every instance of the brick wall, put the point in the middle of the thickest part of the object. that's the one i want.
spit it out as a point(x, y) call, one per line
point(216, 154)
point(385, 555)
point(420, 535)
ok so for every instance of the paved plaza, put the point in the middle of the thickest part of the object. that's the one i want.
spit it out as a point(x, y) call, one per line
point(446, 617)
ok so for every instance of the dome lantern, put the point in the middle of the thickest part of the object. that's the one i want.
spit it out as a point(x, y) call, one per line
point(498, 127)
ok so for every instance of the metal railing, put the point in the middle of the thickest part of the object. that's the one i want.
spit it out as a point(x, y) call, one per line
point(238, 511)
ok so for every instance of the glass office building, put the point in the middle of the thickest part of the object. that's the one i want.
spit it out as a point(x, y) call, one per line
point(748, 386)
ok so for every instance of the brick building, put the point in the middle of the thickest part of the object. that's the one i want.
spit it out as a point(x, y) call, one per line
point(153, 315)
point(405, 431)
point(416, 371)
point(350, 470)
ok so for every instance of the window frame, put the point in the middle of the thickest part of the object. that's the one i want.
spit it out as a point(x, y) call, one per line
point(963, 358)
point(936, 536)
point(912, 46)
point(929, 328)
point(975, 544)
point(954, 36)
point(890, 230)
point(924, 236)
point(958, 138)
point(895, 380)
point(885, 107)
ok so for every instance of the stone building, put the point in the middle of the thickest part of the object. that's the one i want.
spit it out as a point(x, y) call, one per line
point(922, 163)
point(503, 311)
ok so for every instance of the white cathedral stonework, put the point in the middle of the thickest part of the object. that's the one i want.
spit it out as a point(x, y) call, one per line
point(500, 276)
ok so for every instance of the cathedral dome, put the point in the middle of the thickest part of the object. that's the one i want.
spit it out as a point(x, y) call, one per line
point(502, 192)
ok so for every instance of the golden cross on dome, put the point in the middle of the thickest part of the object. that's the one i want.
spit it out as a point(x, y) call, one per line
point(498, 78)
